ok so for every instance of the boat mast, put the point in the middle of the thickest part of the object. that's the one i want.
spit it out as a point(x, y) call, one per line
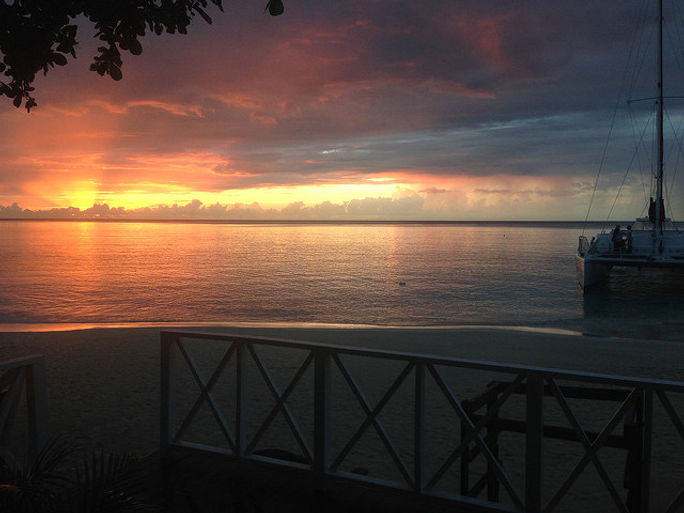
point(659, 206)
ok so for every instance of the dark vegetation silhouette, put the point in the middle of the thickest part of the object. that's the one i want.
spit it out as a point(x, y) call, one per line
point(71, 476)
point(37, 35)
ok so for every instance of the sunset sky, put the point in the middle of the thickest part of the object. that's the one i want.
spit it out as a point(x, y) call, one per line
point(361, 109)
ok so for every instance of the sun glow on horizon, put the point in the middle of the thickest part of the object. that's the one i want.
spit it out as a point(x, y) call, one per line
point(383, 196)
point(85, 194)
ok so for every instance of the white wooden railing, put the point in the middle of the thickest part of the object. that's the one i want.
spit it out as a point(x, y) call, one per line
point(544, 397)
point(25, 375)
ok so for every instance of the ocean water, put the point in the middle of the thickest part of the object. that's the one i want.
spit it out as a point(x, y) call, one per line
point(411, 274)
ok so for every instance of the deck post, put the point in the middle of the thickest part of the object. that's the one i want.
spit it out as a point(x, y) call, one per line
point(492, 439)
point(419, 427)
point(167, 413)
point(533, 446)
point(646, 453)
point(239, 399)
point(321, 413)
point(465, 457)
point(634, 437)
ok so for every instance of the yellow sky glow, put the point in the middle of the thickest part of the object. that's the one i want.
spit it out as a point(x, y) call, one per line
point(84, 194)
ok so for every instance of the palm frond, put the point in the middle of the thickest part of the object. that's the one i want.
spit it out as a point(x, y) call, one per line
point(71, 476)
point(107, 482)
point(34, 485)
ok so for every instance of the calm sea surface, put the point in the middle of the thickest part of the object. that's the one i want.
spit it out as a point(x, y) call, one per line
point(379, 274)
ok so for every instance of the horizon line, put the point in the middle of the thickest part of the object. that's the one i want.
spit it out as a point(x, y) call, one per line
point(304, 221)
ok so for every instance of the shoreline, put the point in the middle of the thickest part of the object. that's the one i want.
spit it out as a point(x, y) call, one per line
point(633, 329)
point(83, 326)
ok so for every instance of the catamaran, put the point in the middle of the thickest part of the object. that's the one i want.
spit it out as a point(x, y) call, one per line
point(650, 241)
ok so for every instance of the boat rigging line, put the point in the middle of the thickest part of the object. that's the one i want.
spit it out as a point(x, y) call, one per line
point(616, 107)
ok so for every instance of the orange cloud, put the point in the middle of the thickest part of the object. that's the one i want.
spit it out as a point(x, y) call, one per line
point(242, 100)
point(173, 108)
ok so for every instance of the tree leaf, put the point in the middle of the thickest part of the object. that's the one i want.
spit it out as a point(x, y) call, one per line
point(135, 47)
point(115, 72)
point(59, 59)
point(204, 15)
point(65, 47)
point(275, 7)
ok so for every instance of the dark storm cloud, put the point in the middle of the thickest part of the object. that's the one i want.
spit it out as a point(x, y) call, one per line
point(334, 91)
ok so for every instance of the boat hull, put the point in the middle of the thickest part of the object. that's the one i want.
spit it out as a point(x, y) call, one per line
point(590, 272)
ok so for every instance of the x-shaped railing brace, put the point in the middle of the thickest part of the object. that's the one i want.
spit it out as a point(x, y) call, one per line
point(205, 394)
point(590, 447)
point(280, 404)
point(372, 418)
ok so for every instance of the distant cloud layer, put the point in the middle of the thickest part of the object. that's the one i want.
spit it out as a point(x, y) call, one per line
point(365, 209)
point(556, 200)
point(430, 109)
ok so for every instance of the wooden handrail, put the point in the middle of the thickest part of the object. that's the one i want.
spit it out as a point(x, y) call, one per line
point(479, 432)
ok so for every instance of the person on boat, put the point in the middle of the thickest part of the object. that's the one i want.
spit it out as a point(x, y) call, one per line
point(628, 240)
point(651, 211)
point(617, 238)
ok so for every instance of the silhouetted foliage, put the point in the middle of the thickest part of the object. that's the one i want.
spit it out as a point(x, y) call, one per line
point(71, 476)
point(38, 35)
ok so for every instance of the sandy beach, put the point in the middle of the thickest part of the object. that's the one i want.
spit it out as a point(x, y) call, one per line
point(104, 383)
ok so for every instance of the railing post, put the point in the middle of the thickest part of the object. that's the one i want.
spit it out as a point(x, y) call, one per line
point(533, 447)
point(465, 457)
point(239, 399)
point(634, 438)
point(36, 402)
point(492, 440)
point(419, 427)
point(321, 412)
point(646, 454)
point(167, 413)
